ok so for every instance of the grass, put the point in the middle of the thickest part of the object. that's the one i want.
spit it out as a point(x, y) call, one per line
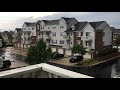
point(88, 62)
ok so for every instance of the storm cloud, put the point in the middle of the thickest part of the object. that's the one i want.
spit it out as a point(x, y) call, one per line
point(112, 18)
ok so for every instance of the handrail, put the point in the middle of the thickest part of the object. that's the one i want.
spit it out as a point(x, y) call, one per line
point(45, 67)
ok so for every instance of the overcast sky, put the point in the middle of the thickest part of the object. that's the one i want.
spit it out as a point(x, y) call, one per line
point(12, 20)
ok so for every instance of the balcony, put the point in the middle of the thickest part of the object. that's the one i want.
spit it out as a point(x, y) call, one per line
point(88, 38)
point(42, 70)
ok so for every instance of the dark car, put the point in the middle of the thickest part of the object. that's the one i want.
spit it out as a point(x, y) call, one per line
point(76, 58)
point(56, 55)
point(6, 63)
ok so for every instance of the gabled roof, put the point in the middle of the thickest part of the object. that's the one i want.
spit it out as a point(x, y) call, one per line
point(116, 30)
point(51, 22)
point(79, 26)
point(96, 24)
point(68, 19)
point(30, 24)
point(112, 28)
point(55, 22)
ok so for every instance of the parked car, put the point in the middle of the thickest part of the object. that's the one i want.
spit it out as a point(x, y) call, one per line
point(6, 63)
point(56, 55)
point(76, 58)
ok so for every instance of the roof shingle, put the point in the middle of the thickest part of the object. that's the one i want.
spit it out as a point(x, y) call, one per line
point(79, 26)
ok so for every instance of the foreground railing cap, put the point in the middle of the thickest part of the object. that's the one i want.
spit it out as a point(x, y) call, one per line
point(45, 67)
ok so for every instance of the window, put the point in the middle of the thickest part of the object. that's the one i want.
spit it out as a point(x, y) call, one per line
point(28, 28)
point(68, 41)
point(67, 34)
point(25, 29)
point(54, 27)
point(81, 33)
point(115, 36)
point(77, 34)
point(71, 42)
point(85, 43)
point(87, 33)
point(48, 27)
point(32, 28)
point(61, 41)
point(71, 34)
point(54, 41)
point(88, 43)
point(54, 33)
point(61, 26)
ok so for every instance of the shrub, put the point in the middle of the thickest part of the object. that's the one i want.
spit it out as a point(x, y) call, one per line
point(107, 51)
point(38, 53)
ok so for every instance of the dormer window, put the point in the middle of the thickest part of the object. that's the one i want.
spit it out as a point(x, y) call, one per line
point(73, 27)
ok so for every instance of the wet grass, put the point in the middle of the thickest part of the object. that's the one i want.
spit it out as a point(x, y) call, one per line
point(88, 62)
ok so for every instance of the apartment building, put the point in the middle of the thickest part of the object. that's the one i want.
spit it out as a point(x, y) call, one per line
point(92, 35)
point(53, 31)
point(116, 33)
point(68, 32)
point(17, 37)
point(28, 36)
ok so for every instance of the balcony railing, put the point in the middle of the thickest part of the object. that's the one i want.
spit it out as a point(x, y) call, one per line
point(42, 70)
point(88, 38)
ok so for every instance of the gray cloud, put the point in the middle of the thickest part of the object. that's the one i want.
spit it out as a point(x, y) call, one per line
point(112, 18)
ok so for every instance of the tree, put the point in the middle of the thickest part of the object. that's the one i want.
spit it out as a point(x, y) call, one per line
point(3, 42)
point(118, 42)
point(39, 53)
point(79, 49)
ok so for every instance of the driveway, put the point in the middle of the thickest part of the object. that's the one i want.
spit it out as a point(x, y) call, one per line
point(64, 61)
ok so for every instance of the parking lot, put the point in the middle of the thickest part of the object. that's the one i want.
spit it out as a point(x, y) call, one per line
point(10, 55)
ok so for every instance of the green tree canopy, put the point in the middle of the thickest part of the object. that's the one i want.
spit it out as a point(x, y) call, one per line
point(79, 49)
point(39, 53)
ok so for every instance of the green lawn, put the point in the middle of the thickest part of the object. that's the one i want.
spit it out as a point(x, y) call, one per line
point(88, 62)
